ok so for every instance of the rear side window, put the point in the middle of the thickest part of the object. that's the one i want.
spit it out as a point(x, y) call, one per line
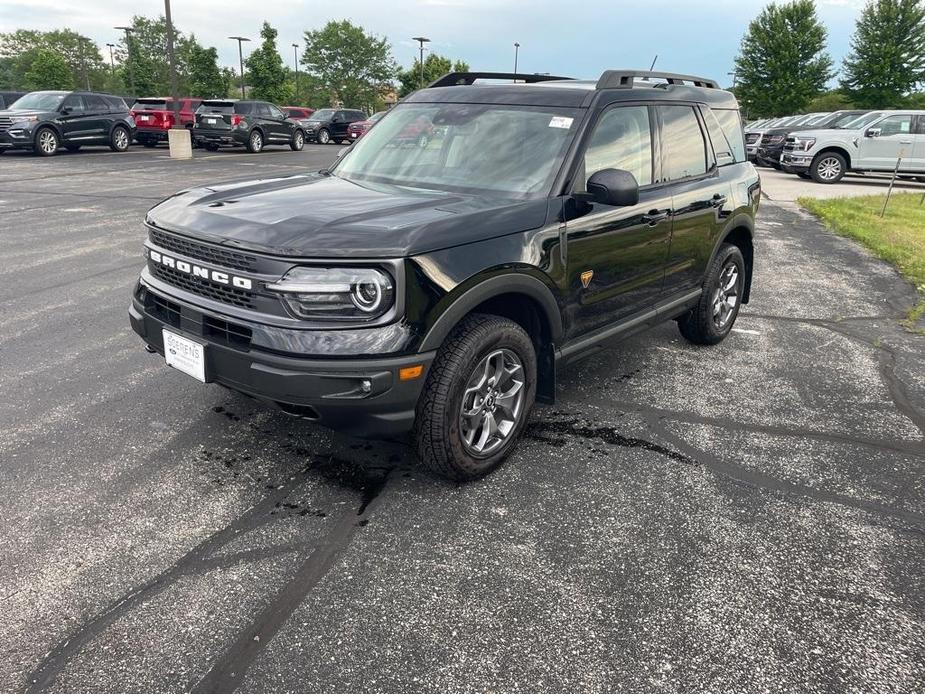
point(244, 108)
point(721, 147)
point(731, 123)
point(622, 139)
point(96, 104)
point(682, 143)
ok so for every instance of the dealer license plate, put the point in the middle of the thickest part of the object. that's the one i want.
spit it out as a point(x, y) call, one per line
point(186, 355)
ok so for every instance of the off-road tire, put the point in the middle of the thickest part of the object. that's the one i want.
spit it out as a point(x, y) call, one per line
point(53, 139)
point(298, 141)
point(120, 139)
point(697, 325)
point(255, 142)
point(437, 436)
point(817, 168)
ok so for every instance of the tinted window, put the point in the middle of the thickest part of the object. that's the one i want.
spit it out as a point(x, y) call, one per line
point(116, 103)
point(216, 107)
point(682, 143)
point(622, 139)
point(895, 125)
point(75, 103)
point(721, 147)
point(96, 103)
point(920, 126)
point(275, 112)
point(150, 105)
point(244, 108)
point(357, 115)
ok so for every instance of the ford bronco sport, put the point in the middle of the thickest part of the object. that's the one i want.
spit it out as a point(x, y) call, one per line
point(439, 289)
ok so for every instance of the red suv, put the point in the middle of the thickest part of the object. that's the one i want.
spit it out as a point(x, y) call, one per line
point(297, 112)
point(357, 130)
point(154, 117)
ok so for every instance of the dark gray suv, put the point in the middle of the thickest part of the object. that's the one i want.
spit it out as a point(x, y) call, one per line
point(250, 124)
point(331, 124)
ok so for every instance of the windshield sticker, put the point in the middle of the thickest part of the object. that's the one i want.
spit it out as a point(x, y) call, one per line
point(561, 122)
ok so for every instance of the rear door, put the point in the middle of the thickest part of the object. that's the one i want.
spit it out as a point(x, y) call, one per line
point(882, 142)
point(699, 195)
point(917, 161)
point(97, 119)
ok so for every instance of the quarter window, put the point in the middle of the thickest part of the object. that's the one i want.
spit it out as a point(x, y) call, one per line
point(622, 139)
point(682, 143)
point(721, 147)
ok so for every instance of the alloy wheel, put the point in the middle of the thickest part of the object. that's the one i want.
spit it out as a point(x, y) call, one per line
point(829, 168)
point(299, 140)
point(121, 139)
point(256, 141)
point(48, 142)
point(726, 296)
point(492, 403)
point(324, 137)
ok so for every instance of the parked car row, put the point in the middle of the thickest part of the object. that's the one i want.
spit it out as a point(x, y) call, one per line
point(47, 121)
point(825, 147)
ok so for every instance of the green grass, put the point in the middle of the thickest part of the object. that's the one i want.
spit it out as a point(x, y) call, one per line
point(898, 238)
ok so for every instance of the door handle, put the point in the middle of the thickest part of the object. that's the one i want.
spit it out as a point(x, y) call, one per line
point(653, 217)
point(718, 200)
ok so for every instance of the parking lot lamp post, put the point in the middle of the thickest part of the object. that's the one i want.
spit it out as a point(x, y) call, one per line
point(241, 40)
point(421, 40)
point(516, 53)
point(128, 47)
point(295, 61)
point(112, 60)
point(172, 67)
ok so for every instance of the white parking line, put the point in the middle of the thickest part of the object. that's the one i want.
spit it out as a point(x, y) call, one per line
point(744, 330)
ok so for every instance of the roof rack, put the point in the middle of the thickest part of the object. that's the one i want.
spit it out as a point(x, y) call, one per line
point(453, 79)
point(624, 79)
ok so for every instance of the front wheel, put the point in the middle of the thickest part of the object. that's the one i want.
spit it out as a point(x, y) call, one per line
point(120, 140)
point(47, 142)
point(255, 142)
point(828, 167)
point(711, 320)
point(477, 398)
point(324, 137)
point(298, 141)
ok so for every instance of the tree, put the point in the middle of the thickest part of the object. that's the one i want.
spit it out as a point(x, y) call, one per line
point(782, 62)
point(48, 70)
point(203, 76)
point(832, 100)
point(435, 67)
point(887, 58)
point(266, 73)
point(351, 66)
point(81, 54)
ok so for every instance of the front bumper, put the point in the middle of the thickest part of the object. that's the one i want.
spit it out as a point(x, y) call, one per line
point(770, 155)
point(796, 161)
point(16, 138)
point(359, 396)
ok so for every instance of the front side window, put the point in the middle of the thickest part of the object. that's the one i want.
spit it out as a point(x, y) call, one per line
point(512, 151)
point(75, 103)
point(622, 139)
point(322, 114)
point(895, 125)
point(683, 145)
point(276, 113)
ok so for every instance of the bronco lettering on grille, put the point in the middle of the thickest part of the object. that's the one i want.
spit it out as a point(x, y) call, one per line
point(199, 271)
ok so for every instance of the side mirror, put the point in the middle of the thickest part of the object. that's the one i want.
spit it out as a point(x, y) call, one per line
point(614, 187)
point(65, 110)
point(873, 132)
point(336, 119)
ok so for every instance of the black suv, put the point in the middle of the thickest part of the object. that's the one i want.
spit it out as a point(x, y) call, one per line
point(252, 124)
point(771, 143)
point(440, 288)
point(46, 121)
point(331, 124)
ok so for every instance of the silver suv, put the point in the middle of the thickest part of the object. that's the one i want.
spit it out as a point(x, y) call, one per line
point(871, 143)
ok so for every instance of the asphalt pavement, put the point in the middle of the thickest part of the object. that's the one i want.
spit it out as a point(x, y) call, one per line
point(748, 517)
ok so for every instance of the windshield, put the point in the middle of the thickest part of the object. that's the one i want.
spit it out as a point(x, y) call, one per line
point(815, 120)
point(376, 116)
point(509, 150)
point(841, 121)
point(323, 114)
point(861, 122)
point(39, 101)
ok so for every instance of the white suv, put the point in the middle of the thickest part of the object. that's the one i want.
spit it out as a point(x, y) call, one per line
point(872, 142)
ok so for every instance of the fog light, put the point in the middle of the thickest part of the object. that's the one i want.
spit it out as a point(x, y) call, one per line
point(366, 385)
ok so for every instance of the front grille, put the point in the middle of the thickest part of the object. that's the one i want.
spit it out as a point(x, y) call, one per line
point(201, 251)
point(230, 334)
point(211, 328)
point(161, 308)
point(5, 122)
point(197, 285)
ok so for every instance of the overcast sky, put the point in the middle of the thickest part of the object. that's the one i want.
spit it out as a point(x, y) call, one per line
point(569, 37)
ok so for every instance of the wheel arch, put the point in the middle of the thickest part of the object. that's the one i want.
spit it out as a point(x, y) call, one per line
point(838, 149)
point(49, 126)
point(740, 233)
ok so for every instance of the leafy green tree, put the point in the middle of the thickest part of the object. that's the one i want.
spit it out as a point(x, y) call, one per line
point(81, 54)
point(435, 67)
point(832, 100)
point(887, 58)
point(143, 60)
point(350, 66)
point(48, 70)
point(203, 77)
point(266, 73)
point(782, 63)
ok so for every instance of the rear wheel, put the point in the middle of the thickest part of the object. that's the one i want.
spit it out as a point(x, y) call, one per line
point(828, 167)
point(255, 142)
point(477, 398)
point(710, 321)
point(298, 141)
point(324, 137)
point(47, 142)
point(120, 140)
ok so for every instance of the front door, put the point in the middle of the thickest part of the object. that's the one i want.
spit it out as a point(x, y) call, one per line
point(615, 256)
point(75, 126)
point(883, 142)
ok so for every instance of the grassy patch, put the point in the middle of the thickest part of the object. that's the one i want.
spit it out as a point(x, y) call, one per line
point(898, 238)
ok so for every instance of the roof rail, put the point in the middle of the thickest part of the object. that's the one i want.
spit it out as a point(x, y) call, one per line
point(453, 79)
point(624, 79)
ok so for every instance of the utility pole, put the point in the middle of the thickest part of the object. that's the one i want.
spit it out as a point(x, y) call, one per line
point(421, 40)
point(172, 67)
point(295, 61)
point(240, 40)
point(516, 52)
point(128, 47)
point(112, 60)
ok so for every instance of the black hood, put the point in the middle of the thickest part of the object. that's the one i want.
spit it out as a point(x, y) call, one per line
point(327, 217)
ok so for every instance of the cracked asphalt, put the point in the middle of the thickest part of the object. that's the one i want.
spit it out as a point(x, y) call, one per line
point(748, 517)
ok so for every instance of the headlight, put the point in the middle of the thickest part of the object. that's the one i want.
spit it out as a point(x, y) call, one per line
point(25, 119)
point(336, 292)
point(803, 144)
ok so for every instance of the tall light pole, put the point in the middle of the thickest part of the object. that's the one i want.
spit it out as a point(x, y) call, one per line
point(171, 66)
point(735, 76)
point(240, 40)
point(516, 53)
point(128, 47)
point(112, 60)
point(295, 61)
point(421, 40)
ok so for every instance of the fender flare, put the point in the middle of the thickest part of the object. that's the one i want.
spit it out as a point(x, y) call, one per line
point(739, 221)
point(508, 283)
